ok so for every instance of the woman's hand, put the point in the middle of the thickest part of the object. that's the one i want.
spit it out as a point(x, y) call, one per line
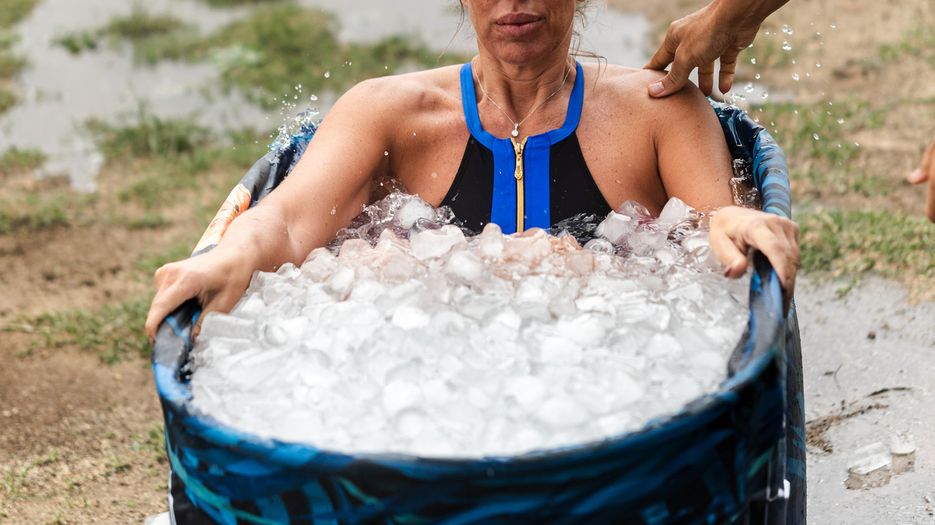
point(217, 281)
point(926, 172)
point(734, 230)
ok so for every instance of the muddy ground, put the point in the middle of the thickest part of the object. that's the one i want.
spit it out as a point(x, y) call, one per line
point(80, 438)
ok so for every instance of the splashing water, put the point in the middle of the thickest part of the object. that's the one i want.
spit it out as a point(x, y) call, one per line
point(406, 335)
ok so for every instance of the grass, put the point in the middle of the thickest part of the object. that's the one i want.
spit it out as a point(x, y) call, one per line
point(821, 153)
point(150, 136)
point(15, 10)
point(853, 242)
point(8, 99)
point(140, 29)
point(113, 332)
point(33, 212)
point(919, 42)
point(17, 160)
point(274, 49)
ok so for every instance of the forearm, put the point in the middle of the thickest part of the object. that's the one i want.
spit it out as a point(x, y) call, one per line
point(259, 239)
point(746, 12)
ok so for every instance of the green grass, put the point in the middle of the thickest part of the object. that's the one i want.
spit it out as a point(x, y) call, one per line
point(114, 332)
point(142, 30)
point(237, 3)
point(8, 99)
point(919, 41)
point(13, 11)
point(853, 242)
point(16, 160)
point(268, 53)
point(818, 145)
point(33, 212)
point(149, 136)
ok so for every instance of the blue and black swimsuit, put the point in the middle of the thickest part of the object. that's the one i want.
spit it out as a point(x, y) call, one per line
point(520, 184)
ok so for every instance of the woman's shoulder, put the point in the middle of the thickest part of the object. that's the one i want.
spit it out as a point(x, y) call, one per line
point(414, 91)
point(624, 91)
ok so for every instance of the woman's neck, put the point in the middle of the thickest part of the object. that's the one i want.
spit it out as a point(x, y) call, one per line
point(521, 89)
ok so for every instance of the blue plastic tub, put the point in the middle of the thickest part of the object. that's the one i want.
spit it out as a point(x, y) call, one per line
point(736, 456)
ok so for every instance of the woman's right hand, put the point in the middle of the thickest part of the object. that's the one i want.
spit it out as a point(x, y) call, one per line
point(214, 278)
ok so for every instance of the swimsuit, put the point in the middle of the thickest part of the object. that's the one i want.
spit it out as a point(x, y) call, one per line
point(520, 184)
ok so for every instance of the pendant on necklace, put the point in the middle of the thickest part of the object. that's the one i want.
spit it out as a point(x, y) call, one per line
point(515, 131)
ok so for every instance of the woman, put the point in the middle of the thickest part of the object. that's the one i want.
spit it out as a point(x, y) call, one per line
point(521, 136)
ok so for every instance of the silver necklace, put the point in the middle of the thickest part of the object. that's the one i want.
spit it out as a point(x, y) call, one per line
point(516, 125)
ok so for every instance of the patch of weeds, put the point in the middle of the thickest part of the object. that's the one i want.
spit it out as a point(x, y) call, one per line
point(8, 99)
point(147, 221)
point(149, 264)
point(33, 213)
point(767, 54)
point(236, 3)
point(15, 10)
point(14, 479)
point(79, 42)
point(854, 242)
point(10, 64)
point(150, 136)
point(919, 42)
point(114, 332)
point(274, 49)
point(144, 31)
point(152, 442)
point(18, 160)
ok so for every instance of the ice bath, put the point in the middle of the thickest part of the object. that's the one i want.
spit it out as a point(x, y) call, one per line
point(406, 336)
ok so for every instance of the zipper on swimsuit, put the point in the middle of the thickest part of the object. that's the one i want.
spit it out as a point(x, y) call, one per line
point(518, 148)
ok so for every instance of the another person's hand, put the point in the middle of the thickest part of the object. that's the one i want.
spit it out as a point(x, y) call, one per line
point(734, 230)
point(215, 280)
point(720, 30)
point(926, 172)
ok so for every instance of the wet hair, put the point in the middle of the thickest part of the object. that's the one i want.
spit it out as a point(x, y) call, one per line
point(575, 51)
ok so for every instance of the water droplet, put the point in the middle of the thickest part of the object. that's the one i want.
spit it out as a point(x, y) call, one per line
point(334, 210)
point(413, 133)
point(786, 29)
point(818, 65)
point(765, 95)
point(350, 63)
point(786, 46)
point(857, 144)
point(756, 76)
point(313, 98)
point(815, 136)
point(327, 74)
point(841, 121)
point(818, 34)
point(833, 26)
point(795, 112)
point(298, 87)
point(749, 87)
point(386, 68)
point(766, 32)
point(753, 61)
point(795, 76)
point(386, 153)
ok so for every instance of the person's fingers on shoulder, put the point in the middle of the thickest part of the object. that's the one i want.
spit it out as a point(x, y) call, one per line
point(728, 70)
point(706, 78)
point(666, 52)
point(926, 169)
point(676, 79)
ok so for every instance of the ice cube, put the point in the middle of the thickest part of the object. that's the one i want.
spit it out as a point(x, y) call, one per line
point(561, 412)
point(219, 325)
point(399, 395)
point(410, 317)
point(527, 390)
point(435, 243)
point(490, 242)
point(412, 210)
point(410, 422)
point(464, 266)
point(616, 227)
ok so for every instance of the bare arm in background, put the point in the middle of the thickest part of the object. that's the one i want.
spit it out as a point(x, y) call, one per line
point(926, 172)
point(720, 30)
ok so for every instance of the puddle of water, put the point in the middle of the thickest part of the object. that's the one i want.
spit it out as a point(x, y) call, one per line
point(60, 92)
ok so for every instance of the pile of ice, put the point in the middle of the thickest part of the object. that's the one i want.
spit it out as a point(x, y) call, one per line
point(407, 336)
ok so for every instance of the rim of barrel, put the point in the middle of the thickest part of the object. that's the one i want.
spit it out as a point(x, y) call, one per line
point(759, 347)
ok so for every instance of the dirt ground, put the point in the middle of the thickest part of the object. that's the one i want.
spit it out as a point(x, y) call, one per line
point(80, 440)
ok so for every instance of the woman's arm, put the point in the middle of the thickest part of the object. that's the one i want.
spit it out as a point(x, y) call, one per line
point(695, 166)
point(324, 192)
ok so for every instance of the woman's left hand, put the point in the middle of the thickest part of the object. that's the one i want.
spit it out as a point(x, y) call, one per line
point(734, 230)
